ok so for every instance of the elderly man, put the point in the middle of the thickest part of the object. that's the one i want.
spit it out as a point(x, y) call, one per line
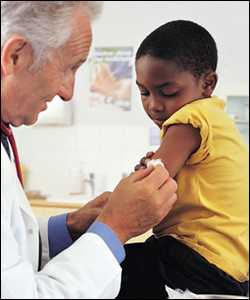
point(43, 45)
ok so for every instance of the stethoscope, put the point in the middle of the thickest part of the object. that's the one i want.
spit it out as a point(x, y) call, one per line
point(9, 134)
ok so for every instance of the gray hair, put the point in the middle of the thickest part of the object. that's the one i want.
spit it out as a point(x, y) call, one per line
point(46, 25)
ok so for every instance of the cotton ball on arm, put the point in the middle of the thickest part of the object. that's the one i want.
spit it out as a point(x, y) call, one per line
point(154, 162)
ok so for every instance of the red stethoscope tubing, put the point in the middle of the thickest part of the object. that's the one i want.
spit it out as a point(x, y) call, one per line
point(8, 132)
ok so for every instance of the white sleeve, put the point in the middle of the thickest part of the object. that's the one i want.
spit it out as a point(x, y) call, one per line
point(86, 270)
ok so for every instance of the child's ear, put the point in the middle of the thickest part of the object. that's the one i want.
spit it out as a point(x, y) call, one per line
point(209, 83)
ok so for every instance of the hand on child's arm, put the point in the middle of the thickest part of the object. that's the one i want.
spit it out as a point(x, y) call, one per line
point(144, 160)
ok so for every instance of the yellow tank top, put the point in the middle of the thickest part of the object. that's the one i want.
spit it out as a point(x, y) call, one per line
point(211, 213)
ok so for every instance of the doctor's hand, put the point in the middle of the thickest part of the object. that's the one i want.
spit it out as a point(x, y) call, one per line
point(139, 202)
point(143, 162)
point(79, 220)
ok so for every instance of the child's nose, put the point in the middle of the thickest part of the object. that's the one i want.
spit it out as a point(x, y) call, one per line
point(156, 104)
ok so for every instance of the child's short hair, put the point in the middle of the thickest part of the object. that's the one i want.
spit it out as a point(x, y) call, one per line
point(190, 45)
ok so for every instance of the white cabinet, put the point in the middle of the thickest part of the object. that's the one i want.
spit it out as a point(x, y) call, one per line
point(238, 108)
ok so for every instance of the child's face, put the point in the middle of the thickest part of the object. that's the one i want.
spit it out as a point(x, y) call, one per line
point(165, 88)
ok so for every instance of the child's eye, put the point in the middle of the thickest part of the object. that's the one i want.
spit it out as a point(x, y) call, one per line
point(168, 95)
point(144, 93)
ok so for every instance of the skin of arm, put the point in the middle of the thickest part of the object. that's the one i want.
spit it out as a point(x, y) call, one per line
point(179, 143)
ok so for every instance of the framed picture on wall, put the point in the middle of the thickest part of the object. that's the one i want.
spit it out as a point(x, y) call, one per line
point(111, 76)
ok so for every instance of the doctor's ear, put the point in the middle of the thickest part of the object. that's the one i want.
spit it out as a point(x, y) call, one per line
point(16, 55)
point(209, 83)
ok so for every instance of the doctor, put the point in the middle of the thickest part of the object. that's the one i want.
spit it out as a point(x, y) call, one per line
point(76, 255)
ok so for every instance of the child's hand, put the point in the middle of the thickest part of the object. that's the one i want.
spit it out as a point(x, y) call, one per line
point(144, 160)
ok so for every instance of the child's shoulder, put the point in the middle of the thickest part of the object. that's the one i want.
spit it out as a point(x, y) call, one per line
point(206, 103)
point(199, 109)
point(206, 109)
point(203, 114)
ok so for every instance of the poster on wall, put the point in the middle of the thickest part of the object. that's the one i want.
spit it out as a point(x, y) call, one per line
point(111, 78)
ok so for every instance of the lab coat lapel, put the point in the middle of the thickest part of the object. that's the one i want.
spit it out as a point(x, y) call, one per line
point(31, 224)
point(23, 203)
point(32, 228)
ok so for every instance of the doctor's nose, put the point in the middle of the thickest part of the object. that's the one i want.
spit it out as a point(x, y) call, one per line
point(66, 90)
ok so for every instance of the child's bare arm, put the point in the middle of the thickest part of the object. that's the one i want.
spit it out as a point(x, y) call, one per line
point(178, 144)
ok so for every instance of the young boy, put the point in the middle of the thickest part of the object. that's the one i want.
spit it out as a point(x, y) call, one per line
point(202, 244)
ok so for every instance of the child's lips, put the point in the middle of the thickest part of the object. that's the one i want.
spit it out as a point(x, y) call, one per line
point(158, 122)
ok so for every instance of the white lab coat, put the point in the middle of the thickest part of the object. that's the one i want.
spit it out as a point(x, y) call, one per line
point(87, 269)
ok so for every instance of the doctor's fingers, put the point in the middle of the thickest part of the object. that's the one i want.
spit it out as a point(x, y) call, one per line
point(102, 199)
point(168, 205)
point(163, 205)
point(168, 187)
point(139, 174)
point(155, 179)
point(167, 193)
